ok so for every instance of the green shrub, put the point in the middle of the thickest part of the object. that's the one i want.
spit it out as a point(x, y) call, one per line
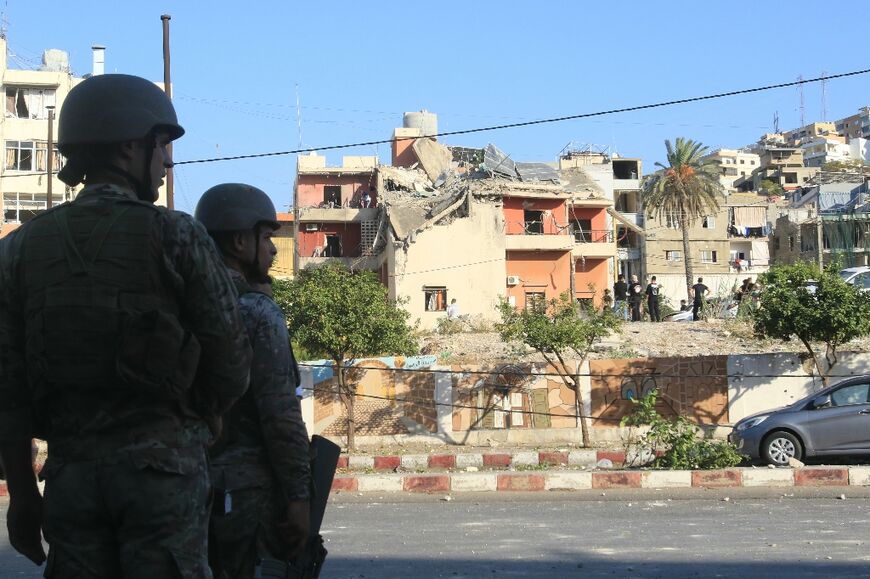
point(673, 444)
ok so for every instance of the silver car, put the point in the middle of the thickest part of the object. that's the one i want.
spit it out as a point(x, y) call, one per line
point(833, 421)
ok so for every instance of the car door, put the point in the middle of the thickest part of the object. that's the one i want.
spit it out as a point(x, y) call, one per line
point(844, 425)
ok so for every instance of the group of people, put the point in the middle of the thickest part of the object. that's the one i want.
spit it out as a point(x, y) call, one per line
point(627, 299)
point(144, 346)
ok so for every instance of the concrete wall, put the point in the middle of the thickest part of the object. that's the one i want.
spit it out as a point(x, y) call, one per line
point(402, 398)
point(554, 219)
point(591, 272)
point(466, 256)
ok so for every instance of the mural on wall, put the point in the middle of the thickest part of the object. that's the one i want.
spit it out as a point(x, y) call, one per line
point(390, 398)
point(693, 387)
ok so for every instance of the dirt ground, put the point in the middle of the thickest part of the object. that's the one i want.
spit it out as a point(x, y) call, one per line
point(636, 339)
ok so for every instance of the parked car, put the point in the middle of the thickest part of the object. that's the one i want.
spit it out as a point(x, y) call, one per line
point(857, 276)
point(833, 421)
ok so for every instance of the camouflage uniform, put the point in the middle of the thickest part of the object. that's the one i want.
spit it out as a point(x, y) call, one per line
point(127, 487)
point(261, 460)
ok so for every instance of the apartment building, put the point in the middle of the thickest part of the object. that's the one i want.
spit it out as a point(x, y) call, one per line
point(736, 168)
point(782, 164)
point(33, 97)
point(442, 223)
point(855, 126)
point(33, 101)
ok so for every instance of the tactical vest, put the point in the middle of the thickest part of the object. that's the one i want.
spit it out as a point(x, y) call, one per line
point(100, 313)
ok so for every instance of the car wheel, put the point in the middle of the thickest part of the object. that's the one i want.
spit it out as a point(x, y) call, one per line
point(780, 446)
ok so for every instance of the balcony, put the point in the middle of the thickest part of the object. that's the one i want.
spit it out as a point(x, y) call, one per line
point(337, 214)
point(626, 183)
point(634, 218)
point(594, 243)
point(538, 242)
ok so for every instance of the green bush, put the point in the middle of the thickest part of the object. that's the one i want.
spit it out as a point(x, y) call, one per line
point(673, 444)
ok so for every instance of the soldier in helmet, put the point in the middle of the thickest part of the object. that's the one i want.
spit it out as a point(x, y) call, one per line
point(120, 342)
point(260, 463)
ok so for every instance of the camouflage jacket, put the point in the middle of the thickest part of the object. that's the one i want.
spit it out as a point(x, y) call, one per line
point(106, 419)
point(265, 428)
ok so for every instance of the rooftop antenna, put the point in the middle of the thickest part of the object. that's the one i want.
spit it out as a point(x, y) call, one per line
point(298, 116)
point(775, 121)
point(800, 80)
point(824, 97)
point(4, 21)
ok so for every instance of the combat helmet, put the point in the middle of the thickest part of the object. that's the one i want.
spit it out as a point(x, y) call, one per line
point(235, 207)
point(114, 108)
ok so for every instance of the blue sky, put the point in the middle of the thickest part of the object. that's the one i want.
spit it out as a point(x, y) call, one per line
point(237, 68)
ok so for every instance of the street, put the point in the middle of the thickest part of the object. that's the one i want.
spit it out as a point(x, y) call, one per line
point(806, 533)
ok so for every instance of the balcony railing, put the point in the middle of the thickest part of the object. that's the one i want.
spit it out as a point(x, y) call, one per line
point(593, 236)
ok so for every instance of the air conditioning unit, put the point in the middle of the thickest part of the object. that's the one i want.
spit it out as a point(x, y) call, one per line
point(513, 280)
point(312, 227)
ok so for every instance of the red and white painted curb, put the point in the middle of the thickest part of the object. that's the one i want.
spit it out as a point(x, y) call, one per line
point(494, 481)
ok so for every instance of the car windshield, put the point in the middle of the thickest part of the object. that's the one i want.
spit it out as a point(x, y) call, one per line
point(846, 274)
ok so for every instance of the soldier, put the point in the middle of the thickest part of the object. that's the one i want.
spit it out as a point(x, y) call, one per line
point(120, 339)
point(260, 463)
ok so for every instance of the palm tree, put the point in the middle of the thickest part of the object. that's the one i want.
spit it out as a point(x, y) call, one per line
point(683, 191)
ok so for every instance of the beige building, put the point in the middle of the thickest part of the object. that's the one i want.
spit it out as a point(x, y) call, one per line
point(710, 247)
point(736, 168)
point(811, 131)
point(31, 97)
point(855, 126)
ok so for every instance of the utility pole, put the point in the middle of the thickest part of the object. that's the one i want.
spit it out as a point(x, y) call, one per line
point(167, 86)
point(801, 91)
point(49, 157)
point(824, 97)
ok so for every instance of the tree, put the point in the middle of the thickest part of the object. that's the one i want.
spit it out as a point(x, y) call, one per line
point(770, 188)
point(342, 315)
point(813, 305)
point(683, 191)
point(555, 329)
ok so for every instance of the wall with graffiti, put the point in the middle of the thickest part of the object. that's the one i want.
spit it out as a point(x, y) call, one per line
point(693, 387)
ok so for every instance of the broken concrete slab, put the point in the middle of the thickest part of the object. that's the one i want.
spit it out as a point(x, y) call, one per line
point(435, 158)
point(405, 219)
point(537, 172)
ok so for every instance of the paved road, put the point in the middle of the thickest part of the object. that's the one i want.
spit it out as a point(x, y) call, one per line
point(807, 533)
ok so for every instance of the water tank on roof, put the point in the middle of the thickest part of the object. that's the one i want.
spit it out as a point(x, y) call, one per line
point(424, 120)
point(55, 60)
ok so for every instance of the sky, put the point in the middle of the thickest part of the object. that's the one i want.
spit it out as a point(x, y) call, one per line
point(266, 76)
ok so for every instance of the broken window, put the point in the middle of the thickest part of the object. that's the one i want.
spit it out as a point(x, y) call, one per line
point(533, 222)
point(21, 207)
point(625, 169)
point(332, 196)
point(332, 247)
point(582, 230)
point(435, 299)
point(28, 102)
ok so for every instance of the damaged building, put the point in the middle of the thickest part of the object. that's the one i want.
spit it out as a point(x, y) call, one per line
point(442, 223)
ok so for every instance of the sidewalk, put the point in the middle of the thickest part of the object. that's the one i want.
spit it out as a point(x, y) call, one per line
point(527, 470)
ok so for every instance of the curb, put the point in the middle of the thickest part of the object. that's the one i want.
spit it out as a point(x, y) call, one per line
point(495, 460)
point(810, 476)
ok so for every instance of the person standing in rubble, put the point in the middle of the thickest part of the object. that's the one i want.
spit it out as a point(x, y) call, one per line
point(120, 343)
point(260, 464)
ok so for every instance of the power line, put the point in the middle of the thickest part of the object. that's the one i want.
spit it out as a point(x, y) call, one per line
point(799, 82)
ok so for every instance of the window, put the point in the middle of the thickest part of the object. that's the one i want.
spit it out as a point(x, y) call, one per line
point(708, 256)
point(435, 299)
point(536, 301)
point(30, 156)
point(791, 242)
point(742, 161)
point(848, 395)
point(672, 221)
point(752, 161)
point(582, 230)
point(672, 255)
point(22, 207)
point(533, 222)
point(332, 195)
point(776, 242)
point(28, 103)
point(332, 247)
point(709, 222)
